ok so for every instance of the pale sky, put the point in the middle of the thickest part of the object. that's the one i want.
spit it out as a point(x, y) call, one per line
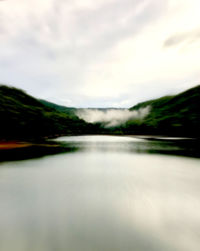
point(100, 53)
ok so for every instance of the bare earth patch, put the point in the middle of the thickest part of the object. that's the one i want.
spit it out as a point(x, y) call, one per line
point(13, 144)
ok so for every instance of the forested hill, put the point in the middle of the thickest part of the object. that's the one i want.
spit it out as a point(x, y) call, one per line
point(68, 110)
point(24, 117)
point(172, 115)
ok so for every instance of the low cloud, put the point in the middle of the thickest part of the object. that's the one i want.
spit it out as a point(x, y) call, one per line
point(82, 50)
point(184, 37)
point(112, 117)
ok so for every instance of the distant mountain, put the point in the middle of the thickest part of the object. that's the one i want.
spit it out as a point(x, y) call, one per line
point(68, 110)
point(72, 110)
point(170, 115)
point(24, 117)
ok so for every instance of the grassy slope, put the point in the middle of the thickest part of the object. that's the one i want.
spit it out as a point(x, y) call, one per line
point(173, 115)
point(24, 117)
point(68, 110)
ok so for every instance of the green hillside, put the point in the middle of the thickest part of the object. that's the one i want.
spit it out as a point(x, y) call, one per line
point(171, 115)
point(68, 110)
point(24, 117)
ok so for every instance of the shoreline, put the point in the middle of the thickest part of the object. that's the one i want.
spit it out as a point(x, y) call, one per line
point(14, 144)
point(6, 145)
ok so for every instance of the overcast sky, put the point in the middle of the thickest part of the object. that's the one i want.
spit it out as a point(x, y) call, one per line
point(100, 53)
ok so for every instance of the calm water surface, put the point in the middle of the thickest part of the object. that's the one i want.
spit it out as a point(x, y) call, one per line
point(108, 194)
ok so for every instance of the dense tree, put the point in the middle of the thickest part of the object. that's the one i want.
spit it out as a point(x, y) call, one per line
point(24, 117)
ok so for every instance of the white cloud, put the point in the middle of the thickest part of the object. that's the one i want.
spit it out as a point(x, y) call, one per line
point(142, 62)
point(112, 117)
point(99, 52)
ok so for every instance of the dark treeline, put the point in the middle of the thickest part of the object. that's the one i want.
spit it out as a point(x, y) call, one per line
point(26, 118)
point(177, 115)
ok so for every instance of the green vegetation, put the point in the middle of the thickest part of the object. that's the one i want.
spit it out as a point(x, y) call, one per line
point(172, 115)
point(68, 110)
point(24, 117)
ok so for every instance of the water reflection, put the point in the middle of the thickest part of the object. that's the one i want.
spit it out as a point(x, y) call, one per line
point(102, 196)
point(181, 147)
point(36, 150)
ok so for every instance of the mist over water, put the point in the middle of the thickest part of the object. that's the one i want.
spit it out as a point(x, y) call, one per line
point(112, 117)
point(108, 194)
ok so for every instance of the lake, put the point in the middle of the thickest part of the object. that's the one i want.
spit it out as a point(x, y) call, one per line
point(105, 193)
